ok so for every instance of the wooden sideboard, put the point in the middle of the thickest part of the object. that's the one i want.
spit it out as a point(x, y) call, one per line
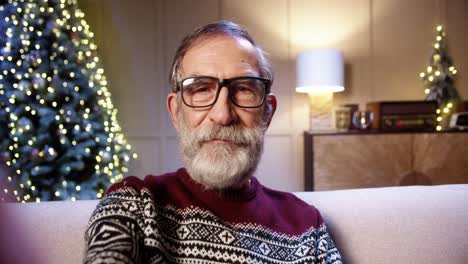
point(347, 160)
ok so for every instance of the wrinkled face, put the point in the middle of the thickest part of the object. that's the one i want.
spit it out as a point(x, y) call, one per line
point(222, 144)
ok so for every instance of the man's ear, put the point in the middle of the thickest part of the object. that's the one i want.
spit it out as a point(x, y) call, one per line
point(271, 105)
point(173, 109)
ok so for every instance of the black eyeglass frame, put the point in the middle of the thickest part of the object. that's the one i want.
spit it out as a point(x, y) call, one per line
point(226, 83)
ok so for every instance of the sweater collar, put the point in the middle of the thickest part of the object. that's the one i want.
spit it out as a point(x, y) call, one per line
point(240, 195)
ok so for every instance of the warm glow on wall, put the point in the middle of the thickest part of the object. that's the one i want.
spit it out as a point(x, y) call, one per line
point(320, 24)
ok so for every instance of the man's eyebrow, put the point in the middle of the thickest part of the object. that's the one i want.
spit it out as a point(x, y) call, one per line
point(247, 73)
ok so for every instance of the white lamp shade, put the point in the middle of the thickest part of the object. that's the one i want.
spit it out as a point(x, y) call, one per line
point(320, 71)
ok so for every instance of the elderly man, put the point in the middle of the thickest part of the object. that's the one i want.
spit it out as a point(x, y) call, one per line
point(214, 210)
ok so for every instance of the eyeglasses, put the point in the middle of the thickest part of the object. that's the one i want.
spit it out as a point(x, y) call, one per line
point(203, 91)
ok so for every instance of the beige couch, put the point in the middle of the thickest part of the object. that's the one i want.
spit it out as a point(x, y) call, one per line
point(419, 224)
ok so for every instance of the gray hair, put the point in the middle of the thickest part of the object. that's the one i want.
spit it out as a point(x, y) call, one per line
point(215, 29)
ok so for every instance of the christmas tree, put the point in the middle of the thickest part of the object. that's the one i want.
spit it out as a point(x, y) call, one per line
point(59, 133)
point(439, 79)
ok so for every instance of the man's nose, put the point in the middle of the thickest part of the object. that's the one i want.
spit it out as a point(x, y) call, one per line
point(221, 112)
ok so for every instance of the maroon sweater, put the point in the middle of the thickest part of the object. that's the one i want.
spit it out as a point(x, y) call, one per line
point(173, 219)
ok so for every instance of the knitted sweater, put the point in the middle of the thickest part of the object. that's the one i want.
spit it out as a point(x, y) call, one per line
point(173, 219)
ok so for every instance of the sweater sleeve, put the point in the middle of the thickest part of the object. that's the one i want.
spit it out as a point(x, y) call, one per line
point(115, 232)
point(326, 251)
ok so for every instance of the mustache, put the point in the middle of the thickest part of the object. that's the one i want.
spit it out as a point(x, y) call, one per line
point(233, 133)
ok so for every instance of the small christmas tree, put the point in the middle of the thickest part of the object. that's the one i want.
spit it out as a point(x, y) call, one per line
point(58, 129)
point(439, 79)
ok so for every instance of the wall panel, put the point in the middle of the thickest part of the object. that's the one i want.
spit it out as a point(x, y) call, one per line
point(149, 158)
point(403, 35)
point(130, 48)
point(171, 157)
point(274, 170)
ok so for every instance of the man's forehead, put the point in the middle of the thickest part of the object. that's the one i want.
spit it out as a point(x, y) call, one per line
point(222, 39)
point(221, 52)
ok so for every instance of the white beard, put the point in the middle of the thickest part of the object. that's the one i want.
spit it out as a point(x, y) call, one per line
point(221, 165)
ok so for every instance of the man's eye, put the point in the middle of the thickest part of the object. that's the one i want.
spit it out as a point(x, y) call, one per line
point(199, 88)
point(245, 89)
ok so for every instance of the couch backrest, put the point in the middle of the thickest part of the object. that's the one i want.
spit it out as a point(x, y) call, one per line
point(383, 225)
point(50, 231)
point(417, 224)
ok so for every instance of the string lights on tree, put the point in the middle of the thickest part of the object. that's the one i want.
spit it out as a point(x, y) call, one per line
point(59, 133)
point(439, 78)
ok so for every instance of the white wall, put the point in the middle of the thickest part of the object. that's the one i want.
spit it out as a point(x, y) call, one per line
point(386, 44)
